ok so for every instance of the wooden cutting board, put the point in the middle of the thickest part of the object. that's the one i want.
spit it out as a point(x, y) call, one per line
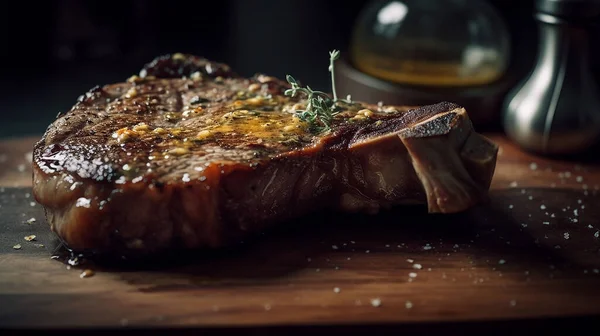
point(532, 253)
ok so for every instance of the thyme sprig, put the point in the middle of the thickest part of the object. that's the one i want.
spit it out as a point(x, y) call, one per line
point(320, 107)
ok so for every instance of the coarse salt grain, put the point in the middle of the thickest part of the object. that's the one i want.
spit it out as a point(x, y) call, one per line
point(86, 273)
point(376, 302)
point(501, 261)
point(408, 305)
point(417, 266)
point(543, 207)
point(533, 166)
point(336, 289)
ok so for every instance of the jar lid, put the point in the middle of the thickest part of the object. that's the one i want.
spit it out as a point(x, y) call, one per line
point(576, 9)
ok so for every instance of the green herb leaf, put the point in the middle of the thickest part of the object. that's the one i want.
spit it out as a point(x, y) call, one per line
point(320, 108)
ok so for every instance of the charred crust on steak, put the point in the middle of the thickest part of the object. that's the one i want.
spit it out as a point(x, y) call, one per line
point(183, 65)
point(190, 154)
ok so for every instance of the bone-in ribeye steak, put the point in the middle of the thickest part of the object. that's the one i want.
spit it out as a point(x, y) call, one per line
point(190, 155)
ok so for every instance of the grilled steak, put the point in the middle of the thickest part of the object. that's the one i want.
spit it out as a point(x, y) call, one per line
point(190, 154)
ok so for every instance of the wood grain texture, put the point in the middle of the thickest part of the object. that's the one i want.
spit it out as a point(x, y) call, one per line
point(532, 252)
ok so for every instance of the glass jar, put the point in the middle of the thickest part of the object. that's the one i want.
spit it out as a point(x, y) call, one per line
point(438, 43)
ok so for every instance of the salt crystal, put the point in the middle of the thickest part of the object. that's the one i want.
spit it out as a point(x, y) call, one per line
point(502, 262)
point(533, 166)
point(417, 266)
point(568, 174)
point(524, 225)
point(334, 247)
point(530, 197)
point(543, 207)
point(546, 223)
point(552, 215)
point(575, 220)
point(408, 305)
point(575, 212)
point(513, 184)
point(579, 179)
point(510, 206)
point(31, 220)
point(566, 235)
point(83, 202)
point(410, 260)
point(376, 302)
point(597, 234)
point(427, 247)
point(32, 204)
point(412, 274)
point(523, 191)
point(579, 201)
point(336, 289)
point(367, 251)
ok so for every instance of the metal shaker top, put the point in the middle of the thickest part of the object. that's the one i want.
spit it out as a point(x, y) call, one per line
point(569, 9)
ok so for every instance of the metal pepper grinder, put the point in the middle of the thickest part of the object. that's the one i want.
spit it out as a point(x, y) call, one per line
point(556, 110)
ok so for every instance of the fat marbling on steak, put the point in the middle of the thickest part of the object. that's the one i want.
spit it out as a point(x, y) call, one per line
point(189, 154)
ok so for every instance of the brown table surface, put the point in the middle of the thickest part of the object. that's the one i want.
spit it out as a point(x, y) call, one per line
point(532, 253)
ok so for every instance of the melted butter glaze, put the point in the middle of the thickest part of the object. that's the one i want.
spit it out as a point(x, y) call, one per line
point(182, 111)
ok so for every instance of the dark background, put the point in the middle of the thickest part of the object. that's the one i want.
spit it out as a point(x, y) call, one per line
point(53, 51)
